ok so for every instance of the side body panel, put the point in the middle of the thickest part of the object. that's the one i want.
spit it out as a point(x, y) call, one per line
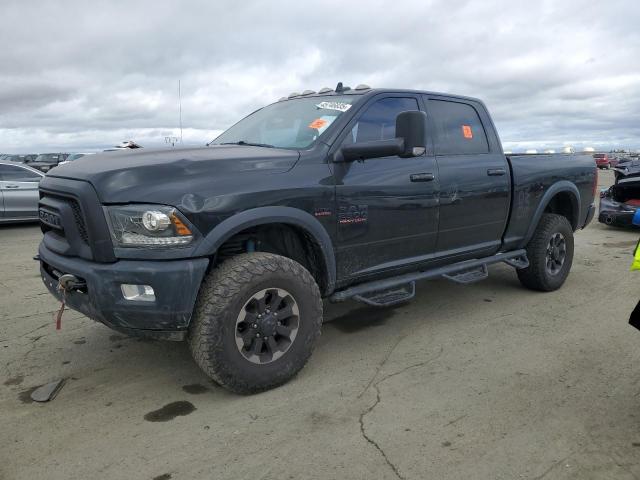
point(537, 179)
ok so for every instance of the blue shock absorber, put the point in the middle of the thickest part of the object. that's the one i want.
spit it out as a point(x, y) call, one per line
point(251, 246)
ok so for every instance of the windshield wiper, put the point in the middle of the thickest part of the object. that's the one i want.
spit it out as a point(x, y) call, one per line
point(250, 144)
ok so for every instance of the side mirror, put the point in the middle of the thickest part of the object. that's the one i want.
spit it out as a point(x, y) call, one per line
point(412, 128)
point(410, 141)
point(374, 149)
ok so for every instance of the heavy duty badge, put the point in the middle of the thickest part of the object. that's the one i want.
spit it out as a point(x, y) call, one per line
point(353, 214)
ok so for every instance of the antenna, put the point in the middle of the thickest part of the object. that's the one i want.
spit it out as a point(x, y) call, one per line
point(180, 108)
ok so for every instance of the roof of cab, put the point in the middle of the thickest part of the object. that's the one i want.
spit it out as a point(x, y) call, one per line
point(368, 91)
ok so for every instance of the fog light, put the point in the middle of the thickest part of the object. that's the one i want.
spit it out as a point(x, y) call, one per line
point(140, 293)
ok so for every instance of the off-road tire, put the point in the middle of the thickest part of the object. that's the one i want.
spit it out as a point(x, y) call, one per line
point(536, 275)
point(223, 294)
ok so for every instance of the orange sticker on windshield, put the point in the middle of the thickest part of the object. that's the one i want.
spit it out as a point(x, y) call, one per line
point(318, 123)
point(466, 131)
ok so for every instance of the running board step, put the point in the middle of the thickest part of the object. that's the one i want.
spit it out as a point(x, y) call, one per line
point(468, 276)
point(466, 271)
point(391, 296)
point(518, 262)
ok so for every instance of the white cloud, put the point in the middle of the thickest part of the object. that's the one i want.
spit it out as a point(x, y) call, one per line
point(83, 75)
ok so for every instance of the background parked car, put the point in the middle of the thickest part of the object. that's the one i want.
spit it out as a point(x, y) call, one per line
point(75, 156)
point(20, 158)
point(46, 161)
point(605, 160)
point(18, 192)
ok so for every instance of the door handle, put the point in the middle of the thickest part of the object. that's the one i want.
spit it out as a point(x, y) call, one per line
point(422, 177)
point(496, 172)
point(12, 186)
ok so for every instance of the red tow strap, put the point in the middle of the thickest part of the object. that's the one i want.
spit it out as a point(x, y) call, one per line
point(61, 310)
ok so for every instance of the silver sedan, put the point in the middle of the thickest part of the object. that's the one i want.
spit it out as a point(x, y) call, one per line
point(18, 192)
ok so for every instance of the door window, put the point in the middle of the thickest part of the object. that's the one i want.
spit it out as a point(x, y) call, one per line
point(10, 173)
point(378, 122)
point(458, 128)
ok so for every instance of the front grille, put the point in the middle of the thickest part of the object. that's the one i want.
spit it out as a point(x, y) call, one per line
point(80, 229)
point(69, 234)
point(57, 202)
point(79, 219)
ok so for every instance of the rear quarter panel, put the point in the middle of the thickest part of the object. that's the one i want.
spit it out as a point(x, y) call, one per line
point(533, 176)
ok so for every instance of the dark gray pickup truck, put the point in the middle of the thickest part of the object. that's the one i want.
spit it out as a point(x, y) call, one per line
point(341, 194)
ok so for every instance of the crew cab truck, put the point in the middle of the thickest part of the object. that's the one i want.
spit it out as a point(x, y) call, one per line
point(346, 193)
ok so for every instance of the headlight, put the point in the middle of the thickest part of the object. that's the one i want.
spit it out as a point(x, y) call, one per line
point(148, 226)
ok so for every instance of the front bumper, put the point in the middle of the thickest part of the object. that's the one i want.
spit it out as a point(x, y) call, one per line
point(176, 284)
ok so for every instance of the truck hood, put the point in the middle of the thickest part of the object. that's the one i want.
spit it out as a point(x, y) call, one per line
point(165, 175)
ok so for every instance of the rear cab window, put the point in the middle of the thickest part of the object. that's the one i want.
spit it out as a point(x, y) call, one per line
point(458, 128)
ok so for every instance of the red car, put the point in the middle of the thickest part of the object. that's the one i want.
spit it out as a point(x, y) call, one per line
point(604, 160)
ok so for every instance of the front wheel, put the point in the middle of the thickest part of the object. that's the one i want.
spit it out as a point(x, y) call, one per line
point(256, 322)
point(550, 253)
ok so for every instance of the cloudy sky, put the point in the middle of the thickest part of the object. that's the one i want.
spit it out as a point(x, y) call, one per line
point(78, 76)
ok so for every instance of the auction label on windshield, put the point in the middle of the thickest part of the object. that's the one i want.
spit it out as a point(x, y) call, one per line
point(318, 123)
point(339, 106)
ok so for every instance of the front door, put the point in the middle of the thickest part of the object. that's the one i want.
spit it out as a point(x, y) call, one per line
point(387, 208)
point(19, 188)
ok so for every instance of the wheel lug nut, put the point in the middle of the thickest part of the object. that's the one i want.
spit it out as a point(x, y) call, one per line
point(278, 322)
point(257, 335)
point(255, 325)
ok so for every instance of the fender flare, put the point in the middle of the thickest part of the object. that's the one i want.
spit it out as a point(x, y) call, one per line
point(266, 215)
point(558, 187)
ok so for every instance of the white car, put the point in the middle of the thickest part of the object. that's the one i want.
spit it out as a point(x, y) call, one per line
point(18, 192)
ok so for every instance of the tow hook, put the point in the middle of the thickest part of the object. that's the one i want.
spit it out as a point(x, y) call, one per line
point(68, 282)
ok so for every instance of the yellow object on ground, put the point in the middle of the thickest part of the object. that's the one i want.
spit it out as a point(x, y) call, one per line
point(636, 258)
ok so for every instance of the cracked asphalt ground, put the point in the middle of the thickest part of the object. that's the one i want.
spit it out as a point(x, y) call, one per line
point(487, 381)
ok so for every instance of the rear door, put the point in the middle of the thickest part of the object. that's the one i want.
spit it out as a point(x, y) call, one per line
point(19, 188)
point(475, 185)
point(387, 208)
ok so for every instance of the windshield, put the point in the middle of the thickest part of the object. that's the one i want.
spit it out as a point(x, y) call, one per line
point(291, 124)
point(49, 157)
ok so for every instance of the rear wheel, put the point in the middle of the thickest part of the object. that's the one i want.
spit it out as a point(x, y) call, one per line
point(256, 322)
point(550, 253)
